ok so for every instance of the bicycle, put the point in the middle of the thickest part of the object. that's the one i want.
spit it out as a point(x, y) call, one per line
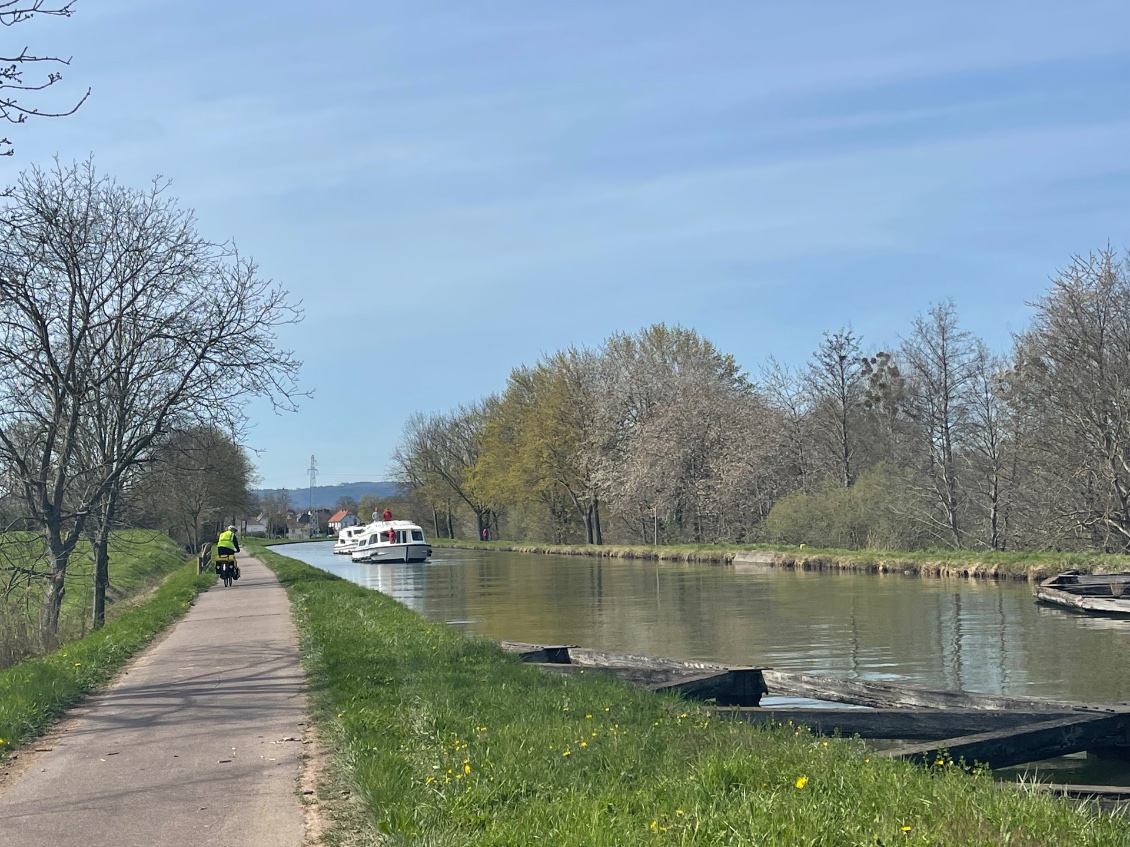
point(227, 569)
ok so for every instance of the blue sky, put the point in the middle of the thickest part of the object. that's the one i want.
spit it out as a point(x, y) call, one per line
point(454, 189)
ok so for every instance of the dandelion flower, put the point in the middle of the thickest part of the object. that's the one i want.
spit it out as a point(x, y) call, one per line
point(907, 828)
point(567, 753)
point(801, 781)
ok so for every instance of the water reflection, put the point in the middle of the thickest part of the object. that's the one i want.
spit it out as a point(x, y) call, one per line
point(960, 633)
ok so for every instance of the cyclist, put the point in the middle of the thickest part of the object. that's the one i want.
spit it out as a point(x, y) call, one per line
point(228, 545)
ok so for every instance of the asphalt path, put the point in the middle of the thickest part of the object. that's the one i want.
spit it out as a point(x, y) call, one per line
point(198, 743)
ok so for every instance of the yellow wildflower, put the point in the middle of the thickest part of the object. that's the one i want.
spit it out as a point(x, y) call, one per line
point(567, 753)
point(801, 781)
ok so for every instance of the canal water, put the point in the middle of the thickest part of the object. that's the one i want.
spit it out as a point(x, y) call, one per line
point(974, 635)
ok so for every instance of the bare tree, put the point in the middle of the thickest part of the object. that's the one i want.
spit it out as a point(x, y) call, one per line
point(13, 84)
point(666, 392)
point(441, 450)
point(197, 479)
point(785, 392)
point(113, 309)
point(939, 359)
point(988, 443)
point(1075, 374)
point(836, 382)
point(276, 508)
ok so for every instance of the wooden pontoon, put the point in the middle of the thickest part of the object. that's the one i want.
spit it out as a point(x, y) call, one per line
point(1100, 594)
point(998, 730)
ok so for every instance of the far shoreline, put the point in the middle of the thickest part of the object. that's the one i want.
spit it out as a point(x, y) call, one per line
point(1014, 566)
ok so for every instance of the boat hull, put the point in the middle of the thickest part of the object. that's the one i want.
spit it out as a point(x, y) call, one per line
point(1094, 594)
point(372, 554)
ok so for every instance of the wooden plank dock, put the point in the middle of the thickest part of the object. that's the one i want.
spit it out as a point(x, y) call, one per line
point(996, 730)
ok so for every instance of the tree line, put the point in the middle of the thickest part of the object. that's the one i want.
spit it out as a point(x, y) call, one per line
point(129, 343)
point(938, 442)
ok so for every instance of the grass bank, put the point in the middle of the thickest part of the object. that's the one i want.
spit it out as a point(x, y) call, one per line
point(448, 740)
point(36, 692)
point(950, 563)
point(139, 560)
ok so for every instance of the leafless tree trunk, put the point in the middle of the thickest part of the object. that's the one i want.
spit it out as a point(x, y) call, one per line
point(113, 310)
point(987, 441)
point(939, 362)
point(836, 384)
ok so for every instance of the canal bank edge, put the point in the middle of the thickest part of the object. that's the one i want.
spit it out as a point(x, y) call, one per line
point(926, 565)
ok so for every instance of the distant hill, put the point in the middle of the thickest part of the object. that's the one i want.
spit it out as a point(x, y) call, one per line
point(325, 496)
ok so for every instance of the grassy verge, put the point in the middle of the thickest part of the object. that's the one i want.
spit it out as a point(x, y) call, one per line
point(448, 740)
point(139, 560)
point(36, 692)
point(975, 563)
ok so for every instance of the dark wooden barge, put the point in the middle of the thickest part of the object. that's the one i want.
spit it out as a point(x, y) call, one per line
point(1097, 594)
point(996, 730)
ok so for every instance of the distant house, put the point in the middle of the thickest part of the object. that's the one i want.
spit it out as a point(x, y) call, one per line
point(308, 524)
point(341, 519)
point(256, 526)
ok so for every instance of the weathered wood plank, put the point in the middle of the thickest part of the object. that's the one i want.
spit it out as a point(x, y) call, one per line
point(1018, 745)
point(885, 695)
point(1095, 604)
point(919, 724)
point(1104, 794)
point(605, 658)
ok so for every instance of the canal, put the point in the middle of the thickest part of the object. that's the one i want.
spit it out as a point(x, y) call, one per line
point(975, 635)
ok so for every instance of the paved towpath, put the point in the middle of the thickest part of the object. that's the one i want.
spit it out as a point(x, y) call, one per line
point(200, 743)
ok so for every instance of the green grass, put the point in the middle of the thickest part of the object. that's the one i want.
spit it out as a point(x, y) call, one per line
point(1019, 565)
point(139, 560)
point(448, 740)
point(36, 692)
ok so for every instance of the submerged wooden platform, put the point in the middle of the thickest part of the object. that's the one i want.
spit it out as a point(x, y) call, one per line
point(996, 730)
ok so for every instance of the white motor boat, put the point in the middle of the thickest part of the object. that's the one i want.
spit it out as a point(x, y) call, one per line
point(347, 539)
point(392, 541)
